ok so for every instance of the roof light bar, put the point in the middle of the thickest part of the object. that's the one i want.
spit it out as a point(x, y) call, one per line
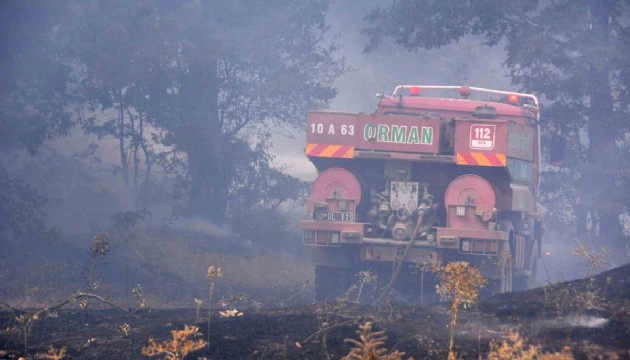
point(399, 90)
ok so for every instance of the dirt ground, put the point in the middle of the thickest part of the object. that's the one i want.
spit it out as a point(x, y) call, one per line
point(590, 316)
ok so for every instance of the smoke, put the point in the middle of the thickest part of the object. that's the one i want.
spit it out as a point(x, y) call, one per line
point(575, 321)
point(202, 225)
point(586, 321)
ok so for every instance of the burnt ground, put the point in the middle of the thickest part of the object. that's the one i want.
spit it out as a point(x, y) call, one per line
point(591, 316)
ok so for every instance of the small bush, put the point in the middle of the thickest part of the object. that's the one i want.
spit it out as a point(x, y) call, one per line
point(370, 346)
point(177, 348)
point(460, 282)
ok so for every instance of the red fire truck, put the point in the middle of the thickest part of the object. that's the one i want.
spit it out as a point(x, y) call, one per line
point(436, 174)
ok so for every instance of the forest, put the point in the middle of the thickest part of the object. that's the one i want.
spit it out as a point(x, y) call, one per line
point(153, 175)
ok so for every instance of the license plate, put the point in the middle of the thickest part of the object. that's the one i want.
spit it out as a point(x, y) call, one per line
point(334, 216)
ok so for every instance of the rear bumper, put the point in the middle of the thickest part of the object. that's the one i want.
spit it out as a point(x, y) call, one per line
point(463, 241)
point(473, 242)
point(319, 233)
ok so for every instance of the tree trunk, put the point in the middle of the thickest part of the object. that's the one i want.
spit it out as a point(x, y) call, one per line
point(121, 140)
point(205, 141)
point(134, 149)
point(601, 134)
point(451, 343)
point(209, 186)
point(148, 160)
point(597, 185)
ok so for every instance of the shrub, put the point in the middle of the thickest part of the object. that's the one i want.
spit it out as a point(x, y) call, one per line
point(177, 348)
point(370, 346)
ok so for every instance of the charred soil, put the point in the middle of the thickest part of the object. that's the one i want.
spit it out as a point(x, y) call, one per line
point(589, 316)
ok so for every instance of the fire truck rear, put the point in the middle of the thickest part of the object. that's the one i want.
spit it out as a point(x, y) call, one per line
point(436, 174)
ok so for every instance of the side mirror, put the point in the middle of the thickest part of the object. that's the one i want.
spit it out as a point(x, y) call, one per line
point(557, 152)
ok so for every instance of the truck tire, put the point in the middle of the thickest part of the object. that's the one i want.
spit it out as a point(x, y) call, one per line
point(533, 265)
point(519, 282)
point(527, 280)
point(330, 282)
point(505, 278)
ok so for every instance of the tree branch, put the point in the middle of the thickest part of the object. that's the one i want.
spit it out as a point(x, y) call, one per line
point(75, 297)
point(326, 329)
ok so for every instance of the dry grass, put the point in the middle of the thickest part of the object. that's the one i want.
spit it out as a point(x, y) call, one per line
point(177, 348)
point(55, 354)
point(169, 265)
point(513, 348)
point(266, 271)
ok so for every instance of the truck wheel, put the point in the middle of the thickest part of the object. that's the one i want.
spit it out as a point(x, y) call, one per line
point(533, 266)
point(527, 280)
point(505, 281)
point(505, 269)
point(520, 282)
point(330, 282)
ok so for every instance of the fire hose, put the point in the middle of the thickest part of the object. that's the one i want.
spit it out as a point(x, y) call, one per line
point(401, 260)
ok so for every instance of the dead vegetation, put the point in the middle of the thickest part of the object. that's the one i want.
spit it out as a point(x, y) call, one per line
point(319, 331)
point(25, 319)
point(99, 248)
point(182, 344)
point(55, 353)
point(460, 282)
point(513, 348)
point(214, 273)
point(370, 346)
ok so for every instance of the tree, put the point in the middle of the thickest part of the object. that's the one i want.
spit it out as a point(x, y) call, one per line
point(34, 106)
point(239, 69)
point(575, 53)
point(33, 78)
point(209, 78)
point(263, 197)
point(117, 46)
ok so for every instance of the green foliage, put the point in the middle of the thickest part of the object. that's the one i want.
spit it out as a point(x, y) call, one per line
point(192, 86)
point(414, 26)
point(34, 98)
point(202, 81)
point(264, 201)
point(237, 79)
point(33, 105)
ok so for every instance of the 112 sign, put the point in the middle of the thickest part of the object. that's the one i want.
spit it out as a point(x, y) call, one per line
point(482, 136)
